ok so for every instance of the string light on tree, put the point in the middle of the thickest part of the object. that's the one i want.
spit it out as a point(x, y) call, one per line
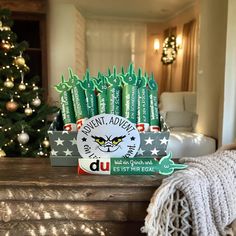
point(40, 152)
point(4, 28)
point(20, 104)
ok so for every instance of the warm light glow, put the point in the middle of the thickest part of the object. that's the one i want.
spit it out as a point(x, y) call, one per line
point(156, 44)
point(179, 41)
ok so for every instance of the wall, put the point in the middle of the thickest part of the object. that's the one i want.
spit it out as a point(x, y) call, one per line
point(62, 42)
point(153, 60)
point(80, 54)
point(227, 124)
point(210, 78)
point(63, 15)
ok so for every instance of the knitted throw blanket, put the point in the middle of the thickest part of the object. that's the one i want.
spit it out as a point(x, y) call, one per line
point(200, 200)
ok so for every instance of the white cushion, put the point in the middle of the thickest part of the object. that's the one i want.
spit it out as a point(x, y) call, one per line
point(179, 119)
point(182, 129)
point(187, 144)
point(172, 101)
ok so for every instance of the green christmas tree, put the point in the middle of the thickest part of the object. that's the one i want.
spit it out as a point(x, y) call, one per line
point(23, 114)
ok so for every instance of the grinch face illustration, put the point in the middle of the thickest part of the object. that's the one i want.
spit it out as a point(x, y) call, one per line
point(107, 143)
point(108, 135)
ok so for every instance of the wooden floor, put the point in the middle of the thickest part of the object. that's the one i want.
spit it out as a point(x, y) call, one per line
point(37, 199)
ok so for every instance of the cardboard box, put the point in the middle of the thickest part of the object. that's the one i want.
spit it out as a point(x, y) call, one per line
point(64, 150)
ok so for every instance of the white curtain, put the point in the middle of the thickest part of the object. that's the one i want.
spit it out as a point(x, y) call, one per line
point(115, 43)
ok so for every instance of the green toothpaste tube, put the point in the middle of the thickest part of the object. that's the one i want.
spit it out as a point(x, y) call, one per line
point(79, 99)
point(102, 87)
point(91, 99)
point(114, 94)
point(130, 96)
point(128, 166)
point(108, 72)
point(67, 109)
point(154, 112)
point(143, 115)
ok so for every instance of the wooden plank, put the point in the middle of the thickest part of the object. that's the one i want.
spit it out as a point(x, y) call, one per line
point(76, 193)
point(37, 6)
point(92, 211)
point(76, 228)
point(38, 172)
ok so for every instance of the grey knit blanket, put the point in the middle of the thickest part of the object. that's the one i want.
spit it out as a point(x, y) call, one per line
point(209, 188)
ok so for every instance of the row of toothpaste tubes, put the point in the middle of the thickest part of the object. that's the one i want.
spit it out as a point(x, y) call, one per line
point(133, 96)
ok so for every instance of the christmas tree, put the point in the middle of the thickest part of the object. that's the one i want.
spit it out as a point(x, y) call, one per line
point(23, 115)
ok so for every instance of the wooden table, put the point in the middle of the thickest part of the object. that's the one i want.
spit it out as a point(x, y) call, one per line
point(37, 199)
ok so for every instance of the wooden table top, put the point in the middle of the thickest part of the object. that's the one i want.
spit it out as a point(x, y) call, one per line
point(39, 172)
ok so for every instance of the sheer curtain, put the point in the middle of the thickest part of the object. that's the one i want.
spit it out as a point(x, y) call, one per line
point(189, 56)
point(115, 43)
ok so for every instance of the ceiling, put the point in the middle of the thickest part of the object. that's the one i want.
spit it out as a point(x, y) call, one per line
point(148, 10)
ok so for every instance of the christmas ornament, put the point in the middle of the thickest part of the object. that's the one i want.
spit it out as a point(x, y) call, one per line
point(28, 110)
point(23, 138)
point(36, 102)
point(19, 61)
point(11, 105)
point(35, 88)
point(6, 28)
point(8, 83)
point(22, 86)
point(45, 143)
point(26, 68)
point(5, 45)
point(2, 153)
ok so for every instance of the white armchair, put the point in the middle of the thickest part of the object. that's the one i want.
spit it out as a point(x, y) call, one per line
point(179, 111)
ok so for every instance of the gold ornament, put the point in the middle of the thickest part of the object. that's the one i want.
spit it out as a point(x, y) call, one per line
point(22, 86)
point(2, 153)
point(26, 68)
point(11, 105)
point(35, 88)
point(45, 143)
point(19, 61)
point(8, 83)
point(6, 28)
point(28, 110)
